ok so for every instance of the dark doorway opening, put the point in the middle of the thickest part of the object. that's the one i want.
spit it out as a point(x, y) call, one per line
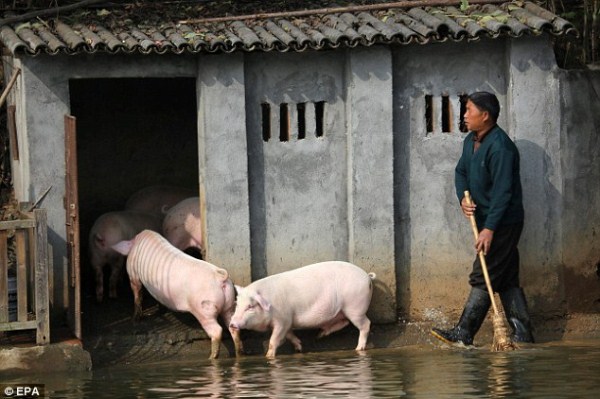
point(131, 133)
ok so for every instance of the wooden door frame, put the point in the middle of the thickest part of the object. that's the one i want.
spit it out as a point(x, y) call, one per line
point(72, 226)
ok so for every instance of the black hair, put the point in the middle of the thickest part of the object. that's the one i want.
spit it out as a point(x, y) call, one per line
point(486, 101)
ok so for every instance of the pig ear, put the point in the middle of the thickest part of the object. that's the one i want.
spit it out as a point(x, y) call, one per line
point(262, 302)
point(123, 247)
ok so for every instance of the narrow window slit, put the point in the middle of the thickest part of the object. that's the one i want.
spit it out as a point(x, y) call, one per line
point(319, 118)
point(266, 121)
point(463, 108)
point(429, 113)
point(301, 120)
point(446, 114)
point(284, 122)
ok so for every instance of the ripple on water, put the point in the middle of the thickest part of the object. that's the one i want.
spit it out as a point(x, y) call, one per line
point(555, 370)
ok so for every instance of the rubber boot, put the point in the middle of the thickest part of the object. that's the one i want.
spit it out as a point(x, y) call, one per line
point(476, 308)
point(515, 307)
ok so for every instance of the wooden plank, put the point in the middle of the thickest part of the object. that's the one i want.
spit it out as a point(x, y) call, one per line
point(21, 238)
point(12, 131)
point(31, 269)
point(18, 325)
point(50, 276)
point(3, 276)
point(42, 306)
point(17, 224)
point(73, 233)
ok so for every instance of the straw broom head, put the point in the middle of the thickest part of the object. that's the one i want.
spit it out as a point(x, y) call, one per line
point(502, 341)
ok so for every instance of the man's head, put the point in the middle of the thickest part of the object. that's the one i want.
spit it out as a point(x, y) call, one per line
point(482, 111)
point(486, 102)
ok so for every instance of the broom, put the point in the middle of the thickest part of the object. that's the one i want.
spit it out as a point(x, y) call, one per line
point(502, 341)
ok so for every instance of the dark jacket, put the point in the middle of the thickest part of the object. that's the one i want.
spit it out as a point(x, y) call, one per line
point(492, 176)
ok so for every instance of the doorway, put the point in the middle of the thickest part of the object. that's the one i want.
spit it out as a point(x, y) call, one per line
point(131, 133)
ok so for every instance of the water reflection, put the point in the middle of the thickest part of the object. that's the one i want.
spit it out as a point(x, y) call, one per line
point(540, 371)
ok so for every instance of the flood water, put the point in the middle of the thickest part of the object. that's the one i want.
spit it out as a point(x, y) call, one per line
point(550, 370)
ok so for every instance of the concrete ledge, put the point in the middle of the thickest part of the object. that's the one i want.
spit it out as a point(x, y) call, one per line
point(60, 357)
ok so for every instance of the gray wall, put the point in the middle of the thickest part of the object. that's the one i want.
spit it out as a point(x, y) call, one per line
point(435, 239)
point(580, 162)
point(377, 188)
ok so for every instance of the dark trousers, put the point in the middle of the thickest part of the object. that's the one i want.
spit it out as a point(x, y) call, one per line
point(502, 260)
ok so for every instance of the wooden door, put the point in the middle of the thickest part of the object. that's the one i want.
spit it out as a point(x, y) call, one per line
point(72, 218)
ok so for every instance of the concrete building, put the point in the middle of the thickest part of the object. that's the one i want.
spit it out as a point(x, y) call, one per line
point(314, 137)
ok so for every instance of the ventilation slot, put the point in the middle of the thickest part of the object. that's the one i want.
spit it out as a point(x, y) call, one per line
point(266, 121)
point(284, 122)
point(319, 117)
point(301, 107)
point(429, 113)
point(446, 114)
point(307, 117)
point(463, 108)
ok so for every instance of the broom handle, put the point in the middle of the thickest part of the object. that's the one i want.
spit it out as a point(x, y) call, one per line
point(481, 255)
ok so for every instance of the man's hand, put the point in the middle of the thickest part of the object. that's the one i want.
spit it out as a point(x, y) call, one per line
point(484, 241)
point(468, 209)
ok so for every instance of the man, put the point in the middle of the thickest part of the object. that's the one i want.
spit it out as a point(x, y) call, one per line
point(489, 170)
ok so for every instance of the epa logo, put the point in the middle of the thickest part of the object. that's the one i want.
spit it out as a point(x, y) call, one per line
point(23, 391)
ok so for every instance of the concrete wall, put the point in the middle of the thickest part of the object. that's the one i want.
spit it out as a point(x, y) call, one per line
point(535, 123)
point(434, 239)
point(223, 164)
point(322, 197)
point(377, 188)
point(580, 163)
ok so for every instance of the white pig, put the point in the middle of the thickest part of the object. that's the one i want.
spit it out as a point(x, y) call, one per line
point(181, 283)
point(109, 229)
point(181, 226)
point(326, 295)
point(158, 199)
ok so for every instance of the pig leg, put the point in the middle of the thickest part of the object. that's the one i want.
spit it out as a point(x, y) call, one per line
point(277, 337)
point(294, 340)
point(335, 325)
point(115, 276)
point(235, 335)
point(99, 281)
point(363, 324)
point(136, 287)
point(237, 341)
point(206, 313)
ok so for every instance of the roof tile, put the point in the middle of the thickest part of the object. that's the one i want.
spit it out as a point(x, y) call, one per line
point(269, 32)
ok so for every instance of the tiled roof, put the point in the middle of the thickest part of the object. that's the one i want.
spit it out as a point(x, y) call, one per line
point(112, 32)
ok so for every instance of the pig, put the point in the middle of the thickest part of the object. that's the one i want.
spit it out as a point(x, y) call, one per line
point(181, 283)
point(325, 295)
point(158, 199)
point(181, 226)
point(109, 229)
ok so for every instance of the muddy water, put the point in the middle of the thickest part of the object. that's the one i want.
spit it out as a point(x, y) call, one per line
point(551, 370)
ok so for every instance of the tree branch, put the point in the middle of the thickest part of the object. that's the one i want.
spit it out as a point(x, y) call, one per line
point(48, 11)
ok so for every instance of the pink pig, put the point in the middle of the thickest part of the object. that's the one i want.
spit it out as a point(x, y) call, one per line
point(326, 295)
point(157, 199)
point(109, 229)
point(181, 283)
point(182, 227)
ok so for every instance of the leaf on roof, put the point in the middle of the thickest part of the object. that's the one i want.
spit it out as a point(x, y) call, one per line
point(26, 25)
point(103, 13)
